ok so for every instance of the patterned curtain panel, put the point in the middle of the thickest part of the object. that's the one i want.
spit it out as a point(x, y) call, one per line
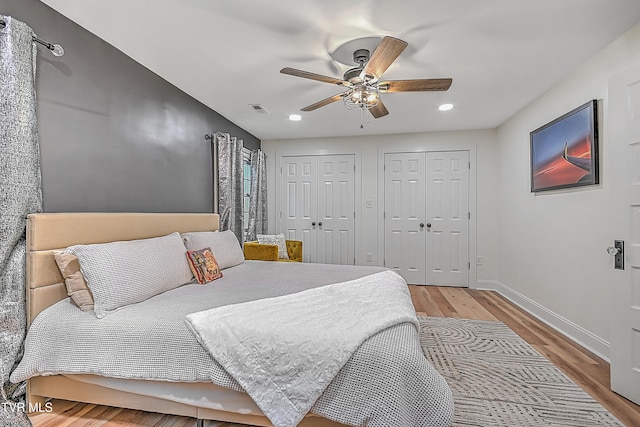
point(20, 195)
point(230, 183)
point(258, 196)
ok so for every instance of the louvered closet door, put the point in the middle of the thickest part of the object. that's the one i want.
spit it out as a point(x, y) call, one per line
point(318, 206)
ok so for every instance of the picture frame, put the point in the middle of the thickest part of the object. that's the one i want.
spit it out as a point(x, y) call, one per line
point(564, 152)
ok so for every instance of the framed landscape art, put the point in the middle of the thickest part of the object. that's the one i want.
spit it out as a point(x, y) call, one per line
point(564, 152)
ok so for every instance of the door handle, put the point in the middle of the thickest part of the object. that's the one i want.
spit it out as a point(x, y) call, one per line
point(617, 250)
point(428, 225)
point(313, 224)
point(320, 224)
point(422, 225)
point(611, 250)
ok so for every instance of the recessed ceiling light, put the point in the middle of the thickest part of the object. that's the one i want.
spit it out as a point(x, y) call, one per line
point(295, 117)
point(445, 107)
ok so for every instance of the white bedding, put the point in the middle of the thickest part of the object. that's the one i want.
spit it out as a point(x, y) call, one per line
point(387, 382)
point(284, 351)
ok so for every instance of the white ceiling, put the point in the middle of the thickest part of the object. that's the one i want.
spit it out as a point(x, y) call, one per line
point(501, 54)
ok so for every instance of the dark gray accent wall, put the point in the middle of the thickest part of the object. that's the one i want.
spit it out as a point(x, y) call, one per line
point(115, 137)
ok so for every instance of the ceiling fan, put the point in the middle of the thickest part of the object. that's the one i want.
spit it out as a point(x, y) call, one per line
point(363, 85)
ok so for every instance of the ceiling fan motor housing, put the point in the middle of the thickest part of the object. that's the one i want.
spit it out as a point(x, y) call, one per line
point(361, 56)
point(353, 74)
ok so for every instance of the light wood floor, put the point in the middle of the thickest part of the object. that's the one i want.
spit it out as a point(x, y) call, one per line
point(586, 369)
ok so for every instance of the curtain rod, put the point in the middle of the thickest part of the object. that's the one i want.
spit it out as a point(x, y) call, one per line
point(56, 49)
point(211, 137)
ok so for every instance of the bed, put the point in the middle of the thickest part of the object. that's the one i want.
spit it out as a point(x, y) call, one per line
point(199, 387)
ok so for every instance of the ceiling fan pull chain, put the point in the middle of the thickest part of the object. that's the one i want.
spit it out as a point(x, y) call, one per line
point(361, 117)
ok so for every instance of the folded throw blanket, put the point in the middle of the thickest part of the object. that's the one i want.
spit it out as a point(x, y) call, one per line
point(284, 351)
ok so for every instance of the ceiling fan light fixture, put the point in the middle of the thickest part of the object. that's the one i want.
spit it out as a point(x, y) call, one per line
point(295, 117)
point(362, 97)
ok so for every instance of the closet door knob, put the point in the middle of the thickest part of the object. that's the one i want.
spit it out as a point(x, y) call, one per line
point(320, 224)
point(313, 224)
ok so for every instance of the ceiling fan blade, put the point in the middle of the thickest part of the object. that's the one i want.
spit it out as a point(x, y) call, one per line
point(387, 51)
point(418, 85)
point(379, 110)
point(324, 102)
point(312, 76)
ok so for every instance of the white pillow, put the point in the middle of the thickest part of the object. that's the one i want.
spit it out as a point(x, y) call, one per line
point(275, 239)
point(127, 272)
point(223, 244)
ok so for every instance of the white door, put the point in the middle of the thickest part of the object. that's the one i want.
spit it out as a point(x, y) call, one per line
point(299, 201)
point(426, 217)
point(318, 206)
point(448, 218)
point(623, 140)
point(404, 211)
point(336, 210)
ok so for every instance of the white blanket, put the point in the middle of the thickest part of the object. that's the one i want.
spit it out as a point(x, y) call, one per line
point(284, 351)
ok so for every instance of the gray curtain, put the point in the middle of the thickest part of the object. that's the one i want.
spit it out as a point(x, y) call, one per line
point(20, 195)
point(258, 196)
point(230, 183)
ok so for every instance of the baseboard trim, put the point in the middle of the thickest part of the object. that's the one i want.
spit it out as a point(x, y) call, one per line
point(574, 332)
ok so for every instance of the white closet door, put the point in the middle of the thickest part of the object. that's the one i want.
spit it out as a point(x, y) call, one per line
point(447, 175)
point(404, 206)
point(299, 202)
point(318, 206)
point(426, 218)
point(336, 210)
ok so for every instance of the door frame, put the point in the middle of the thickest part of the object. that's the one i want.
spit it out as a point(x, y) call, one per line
point(473, 270)
point(311, 151)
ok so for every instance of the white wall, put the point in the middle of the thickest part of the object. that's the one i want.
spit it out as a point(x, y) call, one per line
point(369, 151)
point(552, 245)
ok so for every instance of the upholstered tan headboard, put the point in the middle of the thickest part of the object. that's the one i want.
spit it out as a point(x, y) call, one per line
point(50, 231)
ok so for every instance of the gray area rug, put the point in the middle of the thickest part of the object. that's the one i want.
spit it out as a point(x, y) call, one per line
point(498, 380)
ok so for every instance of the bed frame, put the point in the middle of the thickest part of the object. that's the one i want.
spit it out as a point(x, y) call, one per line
point(45, 286)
